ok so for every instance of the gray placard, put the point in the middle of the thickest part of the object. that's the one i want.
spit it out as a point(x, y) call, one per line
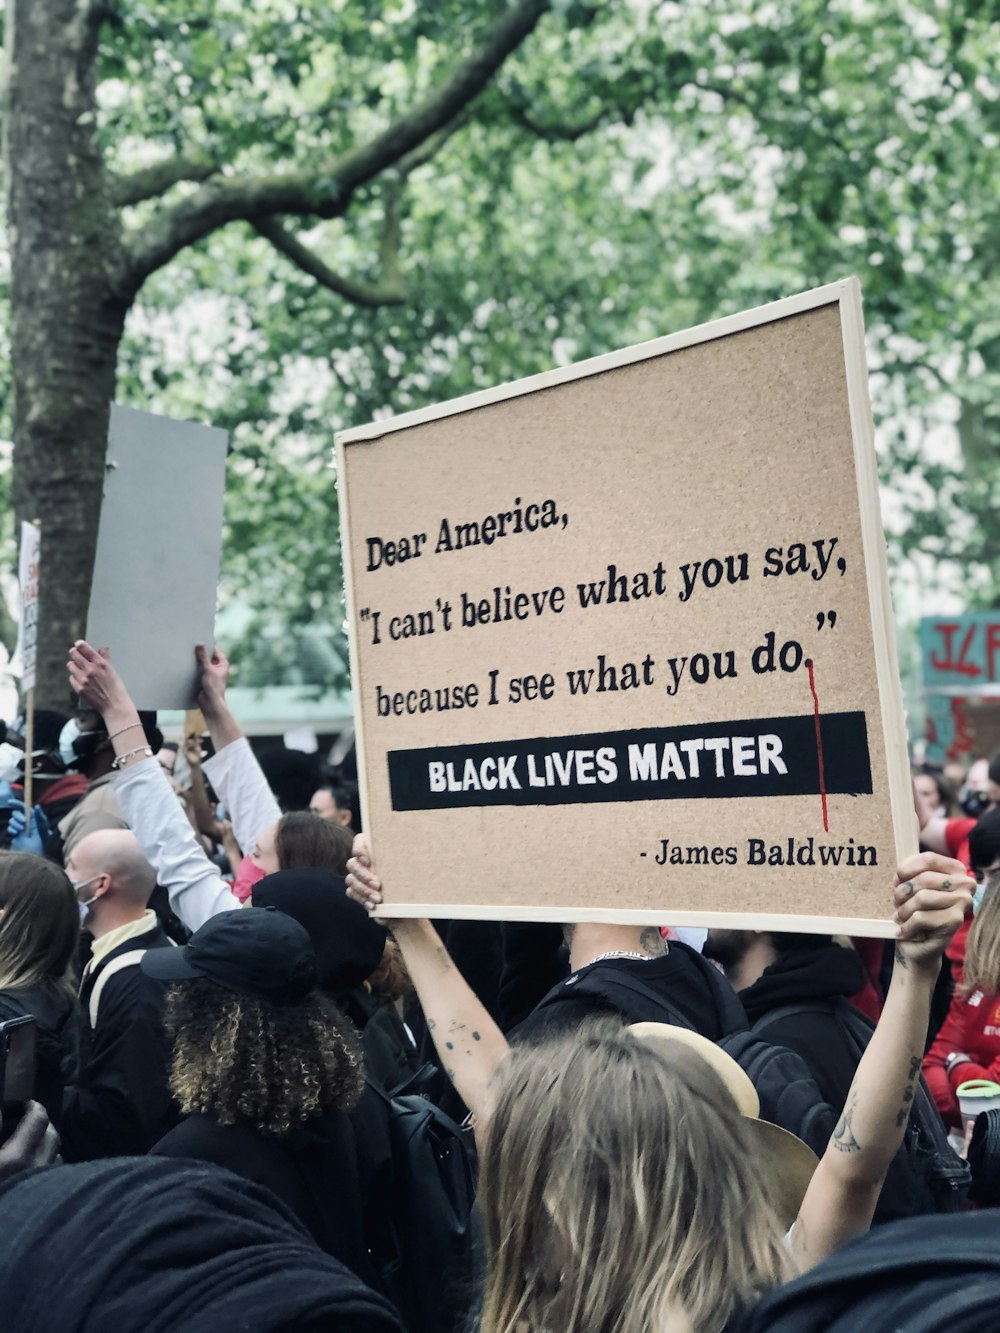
point(158, 551)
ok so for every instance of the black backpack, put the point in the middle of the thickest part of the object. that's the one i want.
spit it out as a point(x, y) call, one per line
point(938, 1178)
point(434, 1256)
point(786, 1090)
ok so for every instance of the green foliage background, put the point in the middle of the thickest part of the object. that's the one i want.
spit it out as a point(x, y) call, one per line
point(633, 170)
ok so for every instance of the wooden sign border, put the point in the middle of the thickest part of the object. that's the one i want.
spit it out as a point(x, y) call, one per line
point(846, 294)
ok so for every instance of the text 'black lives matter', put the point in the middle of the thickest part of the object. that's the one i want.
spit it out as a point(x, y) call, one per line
point(776, 756)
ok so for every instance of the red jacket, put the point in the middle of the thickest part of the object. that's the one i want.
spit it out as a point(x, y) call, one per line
point(972, 1028)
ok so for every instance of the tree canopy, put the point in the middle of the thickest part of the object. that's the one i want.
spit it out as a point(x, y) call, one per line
point(626, 171)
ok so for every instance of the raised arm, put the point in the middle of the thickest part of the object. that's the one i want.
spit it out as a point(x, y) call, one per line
point(932, 893)
point(469, 1044)
point(233, 770)
point(147, 800)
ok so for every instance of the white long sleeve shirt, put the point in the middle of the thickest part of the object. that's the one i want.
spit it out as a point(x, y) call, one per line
point(241, 786)
point(196, 889)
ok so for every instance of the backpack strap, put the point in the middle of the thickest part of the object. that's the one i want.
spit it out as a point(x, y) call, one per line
point(857, 1030)
point(131, 959)
point(793, 1010)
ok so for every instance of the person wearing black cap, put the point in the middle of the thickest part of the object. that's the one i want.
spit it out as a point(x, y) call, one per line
point(265, 1069)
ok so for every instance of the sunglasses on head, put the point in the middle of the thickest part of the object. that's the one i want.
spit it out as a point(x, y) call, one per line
point(980, 873)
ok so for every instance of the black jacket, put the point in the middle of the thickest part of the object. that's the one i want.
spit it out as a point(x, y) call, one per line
point(313, 1170)
point(827, 975)
point(57, 1040)
point(680, 978)
point(121, 1103)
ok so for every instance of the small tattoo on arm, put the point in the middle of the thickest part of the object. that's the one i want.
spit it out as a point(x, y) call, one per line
point(901, 957)
point(843, 1136)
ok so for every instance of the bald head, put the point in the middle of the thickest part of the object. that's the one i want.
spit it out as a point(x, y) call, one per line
point(115, 853)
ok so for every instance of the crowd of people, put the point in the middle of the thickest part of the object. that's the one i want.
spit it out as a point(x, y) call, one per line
point(258, 1106)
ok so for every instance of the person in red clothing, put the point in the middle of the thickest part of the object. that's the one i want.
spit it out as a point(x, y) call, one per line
point(979, 795)
point(968, 1044)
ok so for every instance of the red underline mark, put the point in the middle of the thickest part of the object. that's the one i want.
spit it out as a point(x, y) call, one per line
point(819, 744)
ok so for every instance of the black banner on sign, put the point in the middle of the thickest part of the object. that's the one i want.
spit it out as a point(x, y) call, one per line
point(774, 756)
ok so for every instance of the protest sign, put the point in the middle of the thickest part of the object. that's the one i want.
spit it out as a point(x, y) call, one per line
point(27, 634)
point(961, 670)
point(622, 642)
point(158, 551)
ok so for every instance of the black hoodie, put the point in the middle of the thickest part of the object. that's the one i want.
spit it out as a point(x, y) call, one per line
point(823, 977)
point(828, 972)
point(167, 1247)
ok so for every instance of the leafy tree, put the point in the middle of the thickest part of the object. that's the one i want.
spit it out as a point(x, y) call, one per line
point(310, 134)
point(629, 171)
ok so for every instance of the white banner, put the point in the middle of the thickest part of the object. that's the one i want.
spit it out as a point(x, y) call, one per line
point(27, 634)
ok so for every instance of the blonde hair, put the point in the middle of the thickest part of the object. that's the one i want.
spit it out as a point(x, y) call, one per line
point(620, 1193)
point(982, 950)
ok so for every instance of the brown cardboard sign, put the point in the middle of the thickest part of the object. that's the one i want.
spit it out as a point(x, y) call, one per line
point(621, 636)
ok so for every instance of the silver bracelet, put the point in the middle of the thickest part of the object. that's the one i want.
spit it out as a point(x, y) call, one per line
point(135, 726)
point(121, 760)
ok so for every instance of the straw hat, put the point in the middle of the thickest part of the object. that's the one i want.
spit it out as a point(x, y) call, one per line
point(786, 1160)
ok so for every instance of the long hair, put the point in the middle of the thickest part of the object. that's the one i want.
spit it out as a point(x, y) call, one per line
point(307, 841)
point(982, 951)
point(267, 1064)
point(619, 1192)
point(39, 923)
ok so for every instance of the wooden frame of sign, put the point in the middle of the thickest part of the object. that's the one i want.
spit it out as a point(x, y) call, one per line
point(622, 642)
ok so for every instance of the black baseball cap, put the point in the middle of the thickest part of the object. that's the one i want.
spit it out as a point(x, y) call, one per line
point(255, 951)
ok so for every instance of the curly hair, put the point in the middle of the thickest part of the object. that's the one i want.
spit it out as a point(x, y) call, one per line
point(259, 1062)
point(391, 979)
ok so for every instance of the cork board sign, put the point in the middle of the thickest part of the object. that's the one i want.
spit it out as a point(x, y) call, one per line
point(622, 642)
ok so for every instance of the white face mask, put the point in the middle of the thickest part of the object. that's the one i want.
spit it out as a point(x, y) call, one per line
point(67, 736)
point(11, 762)
point(83, 907)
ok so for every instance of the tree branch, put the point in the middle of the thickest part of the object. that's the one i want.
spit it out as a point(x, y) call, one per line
point(389, 292)
point(431, 146)
point(553, 133)
point(325, 192)
point(153, 181)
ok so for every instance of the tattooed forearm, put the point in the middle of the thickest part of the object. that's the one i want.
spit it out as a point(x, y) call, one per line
point(909, 1092)
point(652, 942)
point(901, 958)
point(843, 1136)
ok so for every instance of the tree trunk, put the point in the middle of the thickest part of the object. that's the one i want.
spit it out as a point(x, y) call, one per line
point(67, 319)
